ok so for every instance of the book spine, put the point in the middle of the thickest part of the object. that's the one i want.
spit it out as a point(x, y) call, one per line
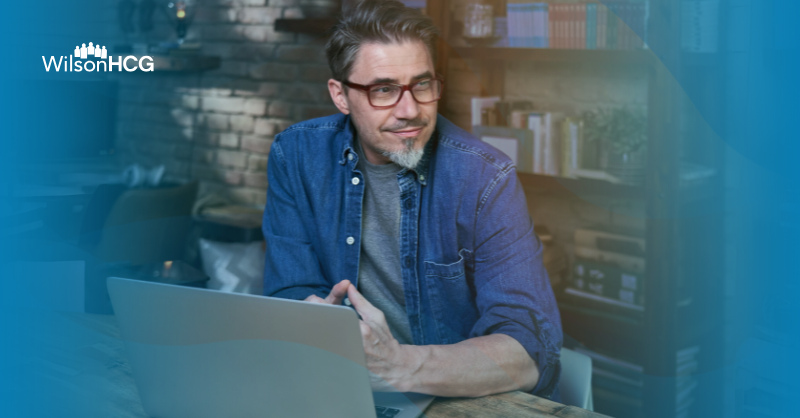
point(582, 26)
point(535, 125)
point(531, 24)
point(546, 23)
point(573, 27)
point(602, 21)
point(611, 28)
point(566, 150)
point(551, 38)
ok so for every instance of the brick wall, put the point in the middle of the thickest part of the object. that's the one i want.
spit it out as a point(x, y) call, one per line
point(217, 126)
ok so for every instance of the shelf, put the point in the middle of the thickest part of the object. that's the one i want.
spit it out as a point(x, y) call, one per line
point(185, 63)
point(318, 26)
point(581, 56)
point(581, 187)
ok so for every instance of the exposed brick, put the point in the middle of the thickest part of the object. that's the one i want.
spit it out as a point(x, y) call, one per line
point(258, 15)
point(213, 121)
point(257, 163)
point(190, 102)
point(251, 52)
point(215, 15)
point(256, 144)
point(232, 159)
point(244, 87)
point(260, 197)
point(262, 34)
point(203, 155)
point(293, 13)
point(280, 109)
point(241, 123)
point(255, 106)
point(235, 68)
point(274, 71)
point(299, 53)
point(258, 180)
point(229, 140)
point(223, 104)
point(182, 117)
point(264, 126)
point(315, 73)
point(206, 137)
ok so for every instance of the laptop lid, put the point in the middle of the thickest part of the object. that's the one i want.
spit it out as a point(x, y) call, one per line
point(202, 353)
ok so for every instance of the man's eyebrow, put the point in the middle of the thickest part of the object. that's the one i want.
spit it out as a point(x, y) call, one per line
point(426, 74)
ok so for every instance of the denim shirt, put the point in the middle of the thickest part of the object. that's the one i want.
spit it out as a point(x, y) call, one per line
point(471, 263)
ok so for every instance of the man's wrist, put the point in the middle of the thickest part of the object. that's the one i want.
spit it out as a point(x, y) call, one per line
point(414, 357)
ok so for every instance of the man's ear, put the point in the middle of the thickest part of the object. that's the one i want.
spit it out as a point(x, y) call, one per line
point(336, 90)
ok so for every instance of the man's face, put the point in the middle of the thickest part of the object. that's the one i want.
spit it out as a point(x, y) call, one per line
point(399, 133)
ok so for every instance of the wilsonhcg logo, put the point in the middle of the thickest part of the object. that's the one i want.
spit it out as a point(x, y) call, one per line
point(75, 63)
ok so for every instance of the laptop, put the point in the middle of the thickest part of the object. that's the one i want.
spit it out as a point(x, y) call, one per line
point(198, 353)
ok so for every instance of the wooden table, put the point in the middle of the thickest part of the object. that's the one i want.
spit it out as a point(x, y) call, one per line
point(92, 365)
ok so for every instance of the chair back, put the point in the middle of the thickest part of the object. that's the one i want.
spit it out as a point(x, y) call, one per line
point(148, 225)
point(576, 379)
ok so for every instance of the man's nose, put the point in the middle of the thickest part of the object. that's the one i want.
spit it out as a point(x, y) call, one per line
point(407, 108)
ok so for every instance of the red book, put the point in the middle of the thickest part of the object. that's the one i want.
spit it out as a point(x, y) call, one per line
point(551, 25)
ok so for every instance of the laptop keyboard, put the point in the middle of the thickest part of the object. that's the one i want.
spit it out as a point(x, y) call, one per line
point(383, 412)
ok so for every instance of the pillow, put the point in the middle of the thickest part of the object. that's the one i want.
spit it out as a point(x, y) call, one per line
point(234, 267)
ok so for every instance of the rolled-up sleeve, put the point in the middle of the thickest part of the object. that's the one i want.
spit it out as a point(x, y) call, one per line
point(291, 267)
point(514, 296)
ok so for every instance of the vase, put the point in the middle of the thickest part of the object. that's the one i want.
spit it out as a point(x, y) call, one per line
point(628, 167)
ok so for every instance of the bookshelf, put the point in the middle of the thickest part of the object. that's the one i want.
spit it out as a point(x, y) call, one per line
point(682, 290)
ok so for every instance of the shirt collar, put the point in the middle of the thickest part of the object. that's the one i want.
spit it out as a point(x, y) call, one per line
point(421, 170)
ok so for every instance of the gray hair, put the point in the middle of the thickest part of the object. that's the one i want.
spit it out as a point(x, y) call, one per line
point(381, 21)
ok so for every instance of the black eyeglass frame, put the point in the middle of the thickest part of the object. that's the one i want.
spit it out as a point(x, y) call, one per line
point(403, 89)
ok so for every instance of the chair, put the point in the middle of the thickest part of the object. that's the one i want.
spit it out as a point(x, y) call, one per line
point(576, 379)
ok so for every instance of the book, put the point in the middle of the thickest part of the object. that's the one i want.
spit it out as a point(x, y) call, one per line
point(608, 280)
point(571, 131)
point(516, 143)
point(535, 121)
point(602, 22)
point(591, 26)
point(623, 261)
point(478, 104)
point(580, 23)
point(550, 144)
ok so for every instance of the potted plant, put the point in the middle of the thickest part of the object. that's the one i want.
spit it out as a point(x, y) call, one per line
point(616, 141)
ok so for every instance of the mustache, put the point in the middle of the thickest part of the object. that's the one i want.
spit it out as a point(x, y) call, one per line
point(405, 124)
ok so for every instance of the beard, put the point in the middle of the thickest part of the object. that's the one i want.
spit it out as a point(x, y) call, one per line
point(408, 158)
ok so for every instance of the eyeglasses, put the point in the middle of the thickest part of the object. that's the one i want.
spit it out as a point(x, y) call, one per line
point(384, 96)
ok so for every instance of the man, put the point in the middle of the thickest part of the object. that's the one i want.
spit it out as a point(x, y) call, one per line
point(421, 227)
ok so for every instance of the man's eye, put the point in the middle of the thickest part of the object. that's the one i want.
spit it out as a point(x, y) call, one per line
point(424, 83)
point(384, 89)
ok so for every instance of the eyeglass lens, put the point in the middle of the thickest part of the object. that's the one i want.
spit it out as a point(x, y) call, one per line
point(425, 91)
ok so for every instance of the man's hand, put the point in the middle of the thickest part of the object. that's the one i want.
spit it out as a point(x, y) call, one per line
point(335, 297)
point(390, 361)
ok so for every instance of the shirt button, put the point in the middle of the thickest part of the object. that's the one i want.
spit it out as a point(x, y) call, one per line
point(409, 203)
point(355, 181)
point(408, 261)
point(350, 240)
point(421, 177)
point(347, 301)
point(350, 157)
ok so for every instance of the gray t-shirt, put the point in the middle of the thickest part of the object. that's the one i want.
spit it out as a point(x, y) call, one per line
point(380, 279)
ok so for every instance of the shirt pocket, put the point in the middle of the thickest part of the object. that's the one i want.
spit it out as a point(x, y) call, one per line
point(452, 299)
point(452, 271)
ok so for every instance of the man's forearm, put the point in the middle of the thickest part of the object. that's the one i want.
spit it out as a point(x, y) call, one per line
point(475, 367)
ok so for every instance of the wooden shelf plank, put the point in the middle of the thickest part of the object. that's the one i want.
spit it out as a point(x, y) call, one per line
point(562, 185)
point(318, 26)
point(584, 56)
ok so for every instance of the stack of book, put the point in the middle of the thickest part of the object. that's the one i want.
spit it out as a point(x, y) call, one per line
point(699, 25)
point(538, 142)
point(619, 25)
point(608, 269)
point(685, 383)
